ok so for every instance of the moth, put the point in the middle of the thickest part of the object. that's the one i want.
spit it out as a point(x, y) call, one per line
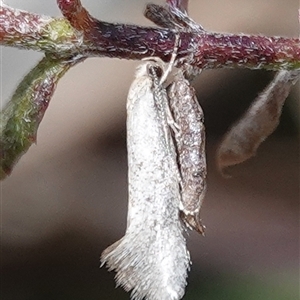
point(190, 147)
point(151, 259)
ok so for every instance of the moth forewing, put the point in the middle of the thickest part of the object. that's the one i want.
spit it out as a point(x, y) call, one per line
point(151, 259)
point(190, 147)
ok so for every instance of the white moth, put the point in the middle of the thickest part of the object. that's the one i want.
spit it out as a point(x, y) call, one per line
point(190, 148)
point(151, 259)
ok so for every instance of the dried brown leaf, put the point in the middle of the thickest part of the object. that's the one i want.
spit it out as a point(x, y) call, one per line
point(261, 119)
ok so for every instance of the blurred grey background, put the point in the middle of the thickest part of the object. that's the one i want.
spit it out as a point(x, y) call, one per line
point(66, 200)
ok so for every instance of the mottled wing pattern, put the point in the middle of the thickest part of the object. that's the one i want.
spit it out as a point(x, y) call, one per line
point(190, 144)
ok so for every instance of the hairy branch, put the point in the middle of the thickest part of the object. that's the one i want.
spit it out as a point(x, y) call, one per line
point(87, 36)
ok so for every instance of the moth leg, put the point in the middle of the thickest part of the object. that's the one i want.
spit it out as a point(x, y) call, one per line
point(170, 119)
point(171, 63)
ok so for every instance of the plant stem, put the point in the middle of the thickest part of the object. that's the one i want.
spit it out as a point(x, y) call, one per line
point(20, 118)
point(200, 49)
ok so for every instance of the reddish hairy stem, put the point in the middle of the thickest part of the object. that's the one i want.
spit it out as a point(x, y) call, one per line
point(200, 49)
point(256, 52)
point(77, 15)
point(197, 48)
point(20, 25)
point(26, 30)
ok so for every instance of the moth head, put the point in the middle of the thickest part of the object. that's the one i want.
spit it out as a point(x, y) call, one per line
point(155, 71)
point(149, 68)
point(141, 70)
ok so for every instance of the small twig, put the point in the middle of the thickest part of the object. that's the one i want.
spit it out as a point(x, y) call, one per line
point(20, 119)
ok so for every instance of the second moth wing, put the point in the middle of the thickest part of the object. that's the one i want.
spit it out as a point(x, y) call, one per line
point(190, 146)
